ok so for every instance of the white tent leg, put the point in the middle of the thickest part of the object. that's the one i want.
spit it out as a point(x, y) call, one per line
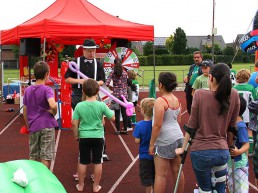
point(44, 50)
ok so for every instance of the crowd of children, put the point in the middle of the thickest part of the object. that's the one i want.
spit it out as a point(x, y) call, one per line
point(159, 135)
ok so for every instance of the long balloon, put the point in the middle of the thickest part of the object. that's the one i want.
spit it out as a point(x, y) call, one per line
point(128, 105)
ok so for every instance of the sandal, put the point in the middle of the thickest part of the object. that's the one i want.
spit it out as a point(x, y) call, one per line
point(96, 189)
point(92, 177)
point(78, 189)
point(76, 177)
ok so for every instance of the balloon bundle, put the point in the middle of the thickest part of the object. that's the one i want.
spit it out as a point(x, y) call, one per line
point(249, 42)
point(128, 105)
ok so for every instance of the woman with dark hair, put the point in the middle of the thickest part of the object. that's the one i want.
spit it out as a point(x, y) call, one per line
point(213, 119)
point(166, 134)
point(119, 78)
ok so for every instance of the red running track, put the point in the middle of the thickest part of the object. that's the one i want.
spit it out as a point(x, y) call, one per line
point(120, 175)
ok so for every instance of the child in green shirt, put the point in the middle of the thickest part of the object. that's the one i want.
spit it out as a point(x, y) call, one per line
point(88, 129)
point(202, 81)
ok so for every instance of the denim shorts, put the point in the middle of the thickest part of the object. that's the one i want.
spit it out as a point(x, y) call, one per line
point(203, 161)
point(147, 172)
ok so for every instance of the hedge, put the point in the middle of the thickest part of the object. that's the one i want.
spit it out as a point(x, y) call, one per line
point(175, 60)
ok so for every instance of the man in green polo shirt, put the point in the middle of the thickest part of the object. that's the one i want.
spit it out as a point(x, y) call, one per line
point(194, 71)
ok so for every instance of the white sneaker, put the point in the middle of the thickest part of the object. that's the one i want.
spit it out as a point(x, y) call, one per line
point(129, 129)
point(105, 157)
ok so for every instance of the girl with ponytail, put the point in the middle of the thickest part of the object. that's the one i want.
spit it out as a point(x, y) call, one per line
point(222, 85)
point(166, 133)
point(213, 115)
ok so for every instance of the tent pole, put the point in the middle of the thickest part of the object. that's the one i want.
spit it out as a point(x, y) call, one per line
point(44, 50)
point(154, 63)
point(213, 32)
point(1, 73)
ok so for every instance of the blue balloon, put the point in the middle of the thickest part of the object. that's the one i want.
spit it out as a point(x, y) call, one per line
point(252, 79)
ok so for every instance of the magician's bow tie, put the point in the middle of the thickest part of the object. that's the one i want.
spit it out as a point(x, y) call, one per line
point(90, 61)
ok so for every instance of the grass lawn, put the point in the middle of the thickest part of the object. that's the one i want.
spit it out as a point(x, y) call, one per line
point(146, 72)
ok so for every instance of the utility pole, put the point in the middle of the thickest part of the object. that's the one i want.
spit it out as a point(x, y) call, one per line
point(213, 31)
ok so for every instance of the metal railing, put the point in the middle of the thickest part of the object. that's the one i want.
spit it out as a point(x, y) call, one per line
point(145, 76)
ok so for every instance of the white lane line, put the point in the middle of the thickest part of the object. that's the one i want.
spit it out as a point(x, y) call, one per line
point(56, 147)
point(9, 124)
point(123, 142)
point(253, 186)
point(123, 175)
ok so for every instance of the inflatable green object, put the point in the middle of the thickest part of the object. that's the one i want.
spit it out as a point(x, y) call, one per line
point(41, 180)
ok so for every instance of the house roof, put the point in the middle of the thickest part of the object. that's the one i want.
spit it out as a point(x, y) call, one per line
point(200, 41)
point(194, 41)
point(160, 41)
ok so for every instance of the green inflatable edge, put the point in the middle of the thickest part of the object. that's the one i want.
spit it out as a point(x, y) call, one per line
point(40, 178)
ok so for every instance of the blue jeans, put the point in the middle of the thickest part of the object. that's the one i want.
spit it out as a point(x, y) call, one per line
point(203, 161)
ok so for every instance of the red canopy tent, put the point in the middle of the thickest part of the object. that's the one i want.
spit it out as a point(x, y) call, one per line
point(69, 22)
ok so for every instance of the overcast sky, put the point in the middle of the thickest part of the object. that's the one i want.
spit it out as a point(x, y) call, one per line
point(232, 17)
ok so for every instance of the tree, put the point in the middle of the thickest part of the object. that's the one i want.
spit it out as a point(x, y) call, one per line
point(191, 50)
point(208, 49)
point(170, 43)
point(217, 49)
point(148, 48)
point(136, 51)
point(68, 50)
point(15, 50)
point(228, 51)
point(180, 42)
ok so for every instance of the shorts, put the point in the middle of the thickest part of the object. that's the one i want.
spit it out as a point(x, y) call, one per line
point(241, 180)
point(42, 144)
point(91, 150)
point(147, 172)
point(168, 151)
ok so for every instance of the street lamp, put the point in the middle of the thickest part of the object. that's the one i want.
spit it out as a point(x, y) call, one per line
point(214, 31)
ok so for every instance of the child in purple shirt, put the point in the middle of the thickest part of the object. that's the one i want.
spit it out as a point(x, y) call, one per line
point(38, 111)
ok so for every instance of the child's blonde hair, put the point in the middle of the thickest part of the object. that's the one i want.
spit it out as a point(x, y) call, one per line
point(243, 76)
point(147, 106)
point(132, 74)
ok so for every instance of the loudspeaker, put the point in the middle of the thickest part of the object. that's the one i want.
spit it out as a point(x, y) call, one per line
point(120, 42)
point(30, 47)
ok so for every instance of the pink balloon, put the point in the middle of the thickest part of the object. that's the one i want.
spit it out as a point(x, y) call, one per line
point(128, 105)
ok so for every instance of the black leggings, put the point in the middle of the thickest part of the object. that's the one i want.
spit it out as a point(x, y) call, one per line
point(189, 98)
point(117, 116)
